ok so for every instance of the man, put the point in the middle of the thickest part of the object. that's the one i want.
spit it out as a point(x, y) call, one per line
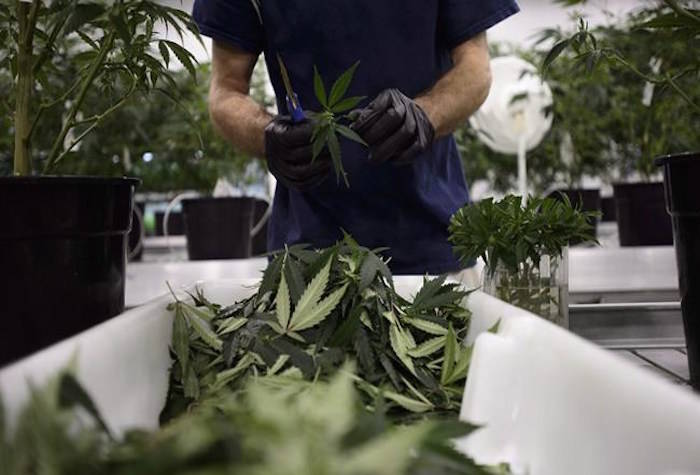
point(424, 68)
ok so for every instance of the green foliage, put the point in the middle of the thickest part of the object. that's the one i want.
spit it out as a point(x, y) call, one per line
point(188, 153)
point(276, 425)
point(328, 122)
point(510, 234)
point(313, 311)
point(656, 46)
point(81, 49)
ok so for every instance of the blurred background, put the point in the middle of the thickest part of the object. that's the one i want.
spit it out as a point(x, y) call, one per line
point(607, 126)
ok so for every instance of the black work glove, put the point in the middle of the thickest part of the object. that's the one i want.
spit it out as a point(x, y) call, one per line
point(394, 127)
point(288, 151)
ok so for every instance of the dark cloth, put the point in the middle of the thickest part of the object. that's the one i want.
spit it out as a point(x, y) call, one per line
point(402, 44)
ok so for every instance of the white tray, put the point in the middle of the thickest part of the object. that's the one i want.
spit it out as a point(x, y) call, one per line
point(550, 402)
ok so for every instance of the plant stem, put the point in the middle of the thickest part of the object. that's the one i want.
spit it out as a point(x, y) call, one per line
point(673, 4)
point(672, 82)
point(49, 105)
point(92, 74)
point(26, 16)
point(664, 80)
point(96, 120)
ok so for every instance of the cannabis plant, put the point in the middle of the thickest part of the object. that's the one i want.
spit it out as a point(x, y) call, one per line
point(522, 247)
point(328, 123)
point(115, 52)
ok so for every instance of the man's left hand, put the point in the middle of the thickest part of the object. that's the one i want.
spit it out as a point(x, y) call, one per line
point(395, 128)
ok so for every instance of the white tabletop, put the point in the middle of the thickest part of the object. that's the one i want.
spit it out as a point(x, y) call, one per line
point(147, 280)
point(592, 272)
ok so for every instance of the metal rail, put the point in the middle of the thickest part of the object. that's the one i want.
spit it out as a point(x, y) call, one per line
point(629, 326)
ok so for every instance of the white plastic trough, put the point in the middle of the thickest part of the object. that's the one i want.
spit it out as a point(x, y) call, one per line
point(550, 402)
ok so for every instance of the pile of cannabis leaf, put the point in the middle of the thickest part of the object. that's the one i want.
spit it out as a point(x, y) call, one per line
point(276, 426)
point(313, 311)
point(269, 386)
point(510, 234)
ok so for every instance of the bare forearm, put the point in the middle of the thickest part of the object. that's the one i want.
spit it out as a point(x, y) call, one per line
point(235, 115)
point(241, 121)
point(462, 90)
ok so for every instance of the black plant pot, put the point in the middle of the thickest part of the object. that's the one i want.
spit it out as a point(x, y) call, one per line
point(607, 206)
point(260, 239)
point(642, 219)
point(62, 256)
point(681, 175)
point(218, 228)
point(176, 224)
point(584, 199)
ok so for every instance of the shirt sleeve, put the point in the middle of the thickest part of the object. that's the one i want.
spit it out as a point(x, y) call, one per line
point(235, 22)
point(461, 20)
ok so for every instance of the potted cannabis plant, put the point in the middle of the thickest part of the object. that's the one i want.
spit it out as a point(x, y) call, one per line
point(653, 104)
point(525, 249)
point(63, 238)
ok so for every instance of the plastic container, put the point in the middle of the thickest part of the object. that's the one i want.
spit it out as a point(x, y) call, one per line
point(62, 256)
point(549, 403)
point(641, 215)
point(218, 228)
point(681, 175)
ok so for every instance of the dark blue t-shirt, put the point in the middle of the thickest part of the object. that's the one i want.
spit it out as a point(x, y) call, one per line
point(403, 44)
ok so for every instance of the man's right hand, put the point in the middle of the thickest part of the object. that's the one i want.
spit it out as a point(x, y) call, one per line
point(288, 151)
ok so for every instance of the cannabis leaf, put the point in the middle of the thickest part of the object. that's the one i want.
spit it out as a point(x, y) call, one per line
point(428, 347)
point(312, 294)
point(327, 124)
point(457, 359)
point(71, 393)
point(282, 304)
point(401, 344)
point(317, 313)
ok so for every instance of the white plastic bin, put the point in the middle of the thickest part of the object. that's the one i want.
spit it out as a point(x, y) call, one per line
point(550, 402)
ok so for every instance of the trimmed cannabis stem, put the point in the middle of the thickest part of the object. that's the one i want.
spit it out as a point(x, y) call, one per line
point(543, 295)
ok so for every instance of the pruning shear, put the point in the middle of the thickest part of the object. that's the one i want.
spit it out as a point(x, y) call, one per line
point(293, 105)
